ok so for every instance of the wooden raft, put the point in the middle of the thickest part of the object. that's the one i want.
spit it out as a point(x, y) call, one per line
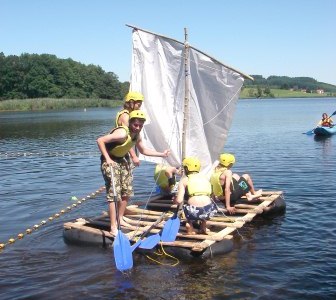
point(139, 220)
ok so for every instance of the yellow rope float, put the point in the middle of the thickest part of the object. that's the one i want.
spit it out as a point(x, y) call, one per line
point(51, 218)
point(47, 154)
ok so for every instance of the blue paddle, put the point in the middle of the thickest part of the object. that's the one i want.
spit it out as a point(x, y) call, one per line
point(171, 227)
point(168, 234)
point(151, 241)
point(310, 132)
point(121, 247)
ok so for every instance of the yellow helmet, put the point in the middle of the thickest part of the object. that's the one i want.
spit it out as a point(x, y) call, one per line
point(135, 96)
point(137, 114)
point(226, 159)
point(193, 164)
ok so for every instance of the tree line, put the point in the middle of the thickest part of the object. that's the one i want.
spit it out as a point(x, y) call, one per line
point(31, 76)
point(287, 83)
point(46, 76)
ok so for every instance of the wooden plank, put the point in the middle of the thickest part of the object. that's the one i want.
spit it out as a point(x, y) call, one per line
point(135, 208)
point(225, 218)
point(91, 230)
point(207, 243)
point(224, 224)
point(147, 217)
point(141, 222)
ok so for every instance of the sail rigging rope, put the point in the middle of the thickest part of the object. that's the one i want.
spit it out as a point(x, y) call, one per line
point(163, 162)
point(219, 112)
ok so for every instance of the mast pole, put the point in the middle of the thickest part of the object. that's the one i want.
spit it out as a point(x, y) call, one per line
point(186, 94)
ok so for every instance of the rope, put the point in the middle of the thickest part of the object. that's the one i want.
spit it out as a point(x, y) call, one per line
point(47, 154)
point(20, 236)
point(219, 210)
point(163, 162)
point(163, 254)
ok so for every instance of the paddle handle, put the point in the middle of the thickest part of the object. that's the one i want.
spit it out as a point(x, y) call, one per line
point(115, 198)
point(153, 225)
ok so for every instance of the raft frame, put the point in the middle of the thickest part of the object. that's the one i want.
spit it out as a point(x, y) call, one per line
point(218, 240)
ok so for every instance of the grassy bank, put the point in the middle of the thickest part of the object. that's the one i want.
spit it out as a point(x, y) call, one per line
point(279, 93)
point(56, 104)
point(62, 104)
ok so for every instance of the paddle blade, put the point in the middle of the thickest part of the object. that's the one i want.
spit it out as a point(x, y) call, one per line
point(334, 113)
point(122, 252)
point(170, 230)
point(135, 245)
point(310, 132)
point(150, 242)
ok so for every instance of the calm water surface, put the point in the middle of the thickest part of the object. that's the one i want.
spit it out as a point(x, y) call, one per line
point(48, 157)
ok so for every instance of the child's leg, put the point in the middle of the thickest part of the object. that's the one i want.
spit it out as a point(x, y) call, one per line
point(190, 228)
point(252, 190)
point(203, 229)
point(113, 222)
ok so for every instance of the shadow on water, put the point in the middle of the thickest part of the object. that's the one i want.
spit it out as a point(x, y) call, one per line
point(322, 138)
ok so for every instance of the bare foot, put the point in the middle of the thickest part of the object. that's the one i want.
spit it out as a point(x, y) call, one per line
point(114, 231)
point(204, 231)
point(124, 223)
point(249, 196)
point(191, 232)
point(190, 229)
point(256, 195)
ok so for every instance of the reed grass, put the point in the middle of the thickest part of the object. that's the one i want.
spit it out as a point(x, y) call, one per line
point(55, 104)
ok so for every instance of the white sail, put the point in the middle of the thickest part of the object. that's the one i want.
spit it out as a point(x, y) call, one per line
point(158, 72)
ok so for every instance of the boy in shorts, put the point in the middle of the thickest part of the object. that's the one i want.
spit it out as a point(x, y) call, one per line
point(228, 187)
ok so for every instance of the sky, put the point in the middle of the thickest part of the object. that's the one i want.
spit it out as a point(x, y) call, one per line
point(294, 38)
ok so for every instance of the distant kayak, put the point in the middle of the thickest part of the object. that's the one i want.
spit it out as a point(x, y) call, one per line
point(325, 130)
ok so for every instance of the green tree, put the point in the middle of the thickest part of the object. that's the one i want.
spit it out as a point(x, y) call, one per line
point(34, 76)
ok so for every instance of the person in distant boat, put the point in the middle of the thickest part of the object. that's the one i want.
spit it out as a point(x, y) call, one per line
point(326, 121)
point(165, 178)
point(228, 187)
point(114, 148)
point(196, 189)
point(133, 101)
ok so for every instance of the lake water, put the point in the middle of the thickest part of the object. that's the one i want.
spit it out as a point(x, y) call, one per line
point(46, 158)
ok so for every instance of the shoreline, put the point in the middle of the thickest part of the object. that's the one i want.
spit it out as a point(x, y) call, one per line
point(51, 104)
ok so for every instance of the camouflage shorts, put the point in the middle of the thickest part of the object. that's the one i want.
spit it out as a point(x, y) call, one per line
point(123, 180)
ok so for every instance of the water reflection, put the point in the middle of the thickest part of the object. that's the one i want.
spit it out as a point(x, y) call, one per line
point(325, 142)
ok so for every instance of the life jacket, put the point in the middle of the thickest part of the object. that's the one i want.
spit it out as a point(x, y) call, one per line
point(124, 111)
point(326, 122)
point(198, 185)
point(237, 188)
point(116, 150)
point(160, 176)
point(217, 188)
